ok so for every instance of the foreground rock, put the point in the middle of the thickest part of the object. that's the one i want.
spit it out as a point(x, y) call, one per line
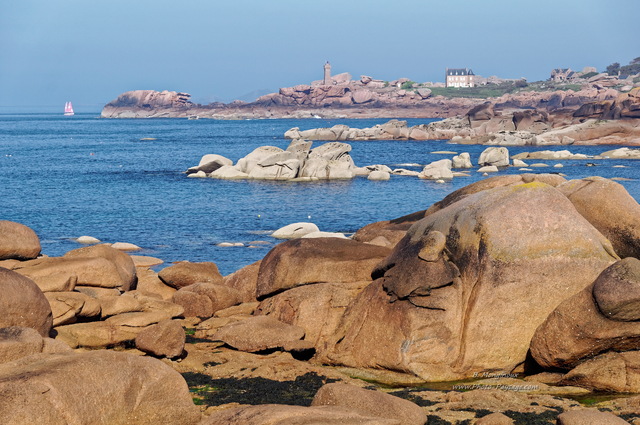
point(18, 241)
point(302, 261)
point(610, 209)
point(455, 268)
point(281, 414)
point(114, 388)
point(374, 403)
point(23, 304)
point(258, 334)
point(579, 328)
point(186, 273)
point(608, 372)
point(165, 339)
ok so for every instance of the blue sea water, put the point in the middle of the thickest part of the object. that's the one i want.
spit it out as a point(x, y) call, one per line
point(71, 176)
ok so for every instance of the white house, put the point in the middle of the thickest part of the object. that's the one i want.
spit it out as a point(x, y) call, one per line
point(459, 77)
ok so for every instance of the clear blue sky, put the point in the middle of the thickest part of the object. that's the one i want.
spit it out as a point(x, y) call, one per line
point(90, 51)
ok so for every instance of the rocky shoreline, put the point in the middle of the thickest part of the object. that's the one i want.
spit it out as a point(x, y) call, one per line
point(364, 98)
point(615, 122)
point(505, 302)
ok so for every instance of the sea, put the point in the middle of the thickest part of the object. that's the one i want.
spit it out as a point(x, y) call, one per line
point(123, 180)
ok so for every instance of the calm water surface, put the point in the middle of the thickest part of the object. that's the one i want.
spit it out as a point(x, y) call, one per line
point(71, 176)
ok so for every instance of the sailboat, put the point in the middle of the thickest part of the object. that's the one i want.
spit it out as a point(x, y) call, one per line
point(68, 109)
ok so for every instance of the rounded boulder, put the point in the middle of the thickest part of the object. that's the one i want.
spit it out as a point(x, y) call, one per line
point(186, 273)
point(18, 241)
point(23, 304)
point(617, 290)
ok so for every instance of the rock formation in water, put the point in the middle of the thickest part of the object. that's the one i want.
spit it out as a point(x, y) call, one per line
point(483, 124)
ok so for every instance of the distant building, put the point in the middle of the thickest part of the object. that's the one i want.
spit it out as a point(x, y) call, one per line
point(327, 74)
point(563, 74)
point(459, 77)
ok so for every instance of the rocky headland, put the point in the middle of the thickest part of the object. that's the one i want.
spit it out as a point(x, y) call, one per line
point(344, 97)
point(504, 303)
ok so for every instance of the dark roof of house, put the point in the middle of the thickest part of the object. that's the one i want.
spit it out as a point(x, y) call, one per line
point(459, 71)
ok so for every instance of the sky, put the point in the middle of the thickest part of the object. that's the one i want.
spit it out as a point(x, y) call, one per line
point(91, 51)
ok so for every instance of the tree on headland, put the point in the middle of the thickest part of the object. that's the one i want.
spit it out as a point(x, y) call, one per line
point(631, 69)
point(613, 69)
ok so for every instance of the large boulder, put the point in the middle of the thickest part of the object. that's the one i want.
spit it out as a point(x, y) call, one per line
point(610, 209)
point(18, 241)
point(608, 372)
point(150, 283)
point(228, 172)
point(295, 230)
point(589, 417)
point(23, 304)
point(17, 342)
point(482, 112)
point(97, 387)
point(258, 333)
point(210, 163)
point(617, 291)
point(67, 307)
point(461, 161)
point(329, 161)
point(440, 301)
point(118, 330)
point(317, 308)
point(374, 403)
point(186, 273)
point(164, 339)
point(204, 299)
point(247, 163)
point(579, 328)
point(245, 281)
point(437, 170)
point(494, 156)
point(278, 166)
point(279, 414)
point(124, 265)
point(301, 261)
point(388, 232)
point(56, 274)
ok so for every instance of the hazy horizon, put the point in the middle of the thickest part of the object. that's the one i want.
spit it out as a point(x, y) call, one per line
point(90, 53)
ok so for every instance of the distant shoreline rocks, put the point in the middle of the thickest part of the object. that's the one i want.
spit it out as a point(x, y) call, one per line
point(332, 161)
point(346, 98)
point(504, 130)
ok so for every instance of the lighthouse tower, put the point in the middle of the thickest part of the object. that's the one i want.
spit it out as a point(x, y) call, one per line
point(327, 74)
